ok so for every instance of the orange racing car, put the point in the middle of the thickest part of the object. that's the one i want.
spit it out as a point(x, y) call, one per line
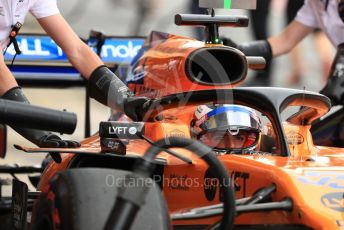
point(154, 174)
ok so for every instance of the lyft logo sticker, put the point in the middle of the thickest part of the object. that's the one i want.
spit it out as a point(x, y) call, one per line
point(118, 130)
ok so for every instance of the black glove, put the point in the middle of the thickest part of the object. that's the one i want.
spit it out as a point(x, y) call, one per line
point(229, 42)
point(134, 107)
point(38, 137)
point(108, 89)
point(334, 89)
point(341, 9)
point(54, 141)
point(261, 48)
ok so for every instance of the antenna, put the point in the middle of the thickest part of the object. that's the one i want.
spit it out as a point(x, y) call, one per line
point(212, 31)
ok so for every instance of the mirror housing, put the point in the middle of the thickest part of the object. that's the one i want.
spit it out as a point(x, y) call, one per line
point(3, 140)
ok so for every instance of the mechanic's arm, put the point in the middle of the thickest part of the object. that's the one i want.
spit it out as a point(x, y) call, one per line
point(78, 53)
point(7, 80)
point(103, 85)
point(294, 33)
point(276, 45)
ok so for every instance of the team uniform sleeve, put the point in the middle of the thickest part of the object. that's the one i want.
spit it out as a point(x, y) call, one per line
point(44, 8)
point(306, 15)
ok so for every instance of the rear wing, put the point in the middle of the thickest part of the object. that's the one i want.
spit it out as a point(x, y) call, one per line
point(43, 63)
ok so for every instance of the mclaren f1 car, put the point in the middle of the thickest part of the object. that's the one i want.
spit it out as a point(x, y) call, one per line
point(157, 174)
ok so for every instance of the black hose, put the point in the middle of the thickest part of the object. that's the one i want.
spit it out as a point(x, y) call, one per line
point(146, 167)
point(261, 195)
point(30, 116)
point(119, 218)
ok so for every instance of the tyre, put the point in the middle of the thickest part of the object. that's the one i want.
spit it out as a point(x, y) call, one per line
point(81, 199)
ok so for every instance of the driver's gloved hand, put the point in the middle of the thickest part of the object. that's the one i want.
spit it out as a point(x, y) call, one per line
point(108, 89)
point(261, 48)
point(40, 138)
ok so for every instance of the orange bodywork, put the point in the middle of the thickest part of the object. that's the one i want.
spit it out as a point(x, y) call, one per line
point(313, 185)
point(313, 177)
point(164, 68)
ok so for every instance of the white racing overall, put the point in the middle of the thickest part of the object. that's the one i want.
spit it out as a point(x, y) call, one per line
point(314, 14)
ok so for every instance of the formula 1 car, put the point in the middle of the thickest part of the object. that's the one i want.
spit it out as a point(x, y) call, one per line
point(146, 175)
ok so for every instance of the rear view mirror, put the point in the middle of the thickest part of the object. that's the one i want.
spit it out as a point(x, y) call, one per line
point(3, 142)
point(229, 4)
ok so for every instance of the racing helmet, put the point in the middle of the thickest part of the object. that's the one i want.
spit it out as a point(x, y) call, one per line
point(227, 128)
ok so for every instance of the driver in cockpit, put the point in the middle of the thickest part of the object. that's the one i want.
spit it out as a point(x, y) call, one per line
point(227, 128)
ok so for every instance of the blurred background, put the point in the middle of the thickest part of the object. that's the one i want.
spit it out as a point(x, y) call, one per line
point(139, 17)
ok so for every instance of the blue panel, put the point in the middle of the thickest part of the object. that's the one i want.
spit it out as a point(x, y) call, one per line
point(42, 49)
point(116, 50)
point(36, 48)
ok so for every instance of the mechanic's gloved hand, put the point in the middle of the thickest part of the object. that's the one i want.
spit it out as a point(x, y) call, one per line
point(341, 9)
point(108, 89)
point(53, 141)
point(334, 88)
point(134, 107)
point(229, 42)
point(261, 48)
point(38, 137)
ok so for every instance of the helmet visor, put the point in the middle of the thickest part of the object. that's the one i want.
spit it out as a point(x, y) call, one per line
point(228, 117)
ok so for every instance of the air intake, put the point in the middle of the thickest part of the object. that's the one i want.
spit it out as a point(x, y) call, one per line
point(216, 66)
